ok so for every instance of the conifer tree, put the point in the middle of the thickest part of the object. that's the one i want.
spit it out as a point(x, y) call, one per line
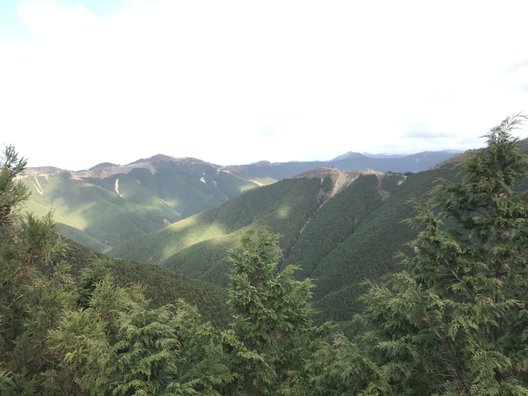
point(272, 327)
point(12, 192)
point(35, 287)
point(91, 337)
point(116, 344)
point(456, 320)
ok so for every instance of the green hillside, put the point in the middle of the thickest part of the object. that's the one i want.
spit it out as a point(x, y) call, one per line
point(337, 219)
point(448, 317)
point(161, 286)
point(186, 215)
point(109, 204)
point(331, 224)
point(99, 213)
point(321, 216)
point(370, 251)
point(82, 238)
point(197, 246)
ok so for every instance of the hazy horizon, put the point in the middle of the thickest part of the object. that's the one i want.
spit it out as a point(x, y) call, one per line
point(109, 161)
point(234, 82)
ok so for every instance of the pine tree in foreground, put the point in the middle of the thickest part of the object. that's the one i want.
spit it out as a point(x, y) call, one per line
point(91, 337)
point(272, 331)
point(456, 320)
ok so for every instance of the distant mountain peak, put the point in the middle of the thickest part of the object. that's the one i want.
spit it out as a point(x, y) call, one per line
point(158, 158)
point(262, 163)
point(348, 155)
point(154, 158)
point(354, 155)
point(383, 155)
point(161, 157)
point(103, 165)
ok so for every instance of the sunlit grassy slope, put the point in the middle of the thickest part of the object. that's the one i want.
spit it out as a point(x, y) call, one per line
point(205, 238)
point(101, 214)
point(101, 211)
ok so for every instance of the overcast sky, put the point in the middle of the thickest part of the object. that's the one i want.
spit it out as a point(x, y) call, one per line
point(86, 81)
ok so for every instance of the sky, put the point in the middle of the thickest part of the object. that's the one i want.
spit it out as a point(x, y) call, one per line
point(231, 82)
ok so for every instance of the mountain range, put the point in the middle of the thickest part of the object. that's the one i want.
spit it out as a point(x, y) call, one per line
point(185, 215)
point(338, 227)
point(109, 204)
point(349, 161)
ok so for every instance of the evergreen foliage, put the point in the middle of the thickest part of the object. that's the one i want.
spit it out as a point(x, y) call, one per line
point(73, 330)
point(91, 336)
point(272, 318)
point(335, 221)
point(455, 320)
point(160, 286)
point(12, 193)
point(334, 239)
point(340, 273)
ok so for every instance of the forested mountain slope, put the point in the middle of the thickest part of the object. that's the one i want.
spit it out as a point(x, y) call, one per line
point(450, 320)
point(339, 227)
point(198, 245)
point(160, 286)
point(370, 250)
point(109, 204)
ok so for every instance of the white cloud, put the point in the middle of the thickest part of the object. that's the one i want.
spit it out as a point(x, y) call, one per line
point(206, 78)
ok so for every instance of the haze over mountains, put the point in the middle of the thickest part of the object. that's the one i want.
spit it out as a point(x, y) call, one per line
point(340, 221)
point(108, 204)
point(346, 162)
point(185, 214)
point(221, 211)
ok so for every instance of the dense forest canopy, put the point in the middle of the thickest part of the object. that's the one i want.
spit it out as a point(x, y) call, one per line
point(454, 321)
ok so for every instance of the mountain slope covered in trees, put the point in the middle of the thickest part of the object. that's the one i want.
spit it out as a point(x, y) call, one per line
point(109, 204)
point(281, 206)
point(330, 224)
point(451, 321)
point(160, 286)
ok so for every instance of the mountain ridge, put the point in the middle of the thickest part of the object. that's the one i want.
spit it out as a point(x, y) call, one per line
point(325, 198)
point(338, 239)
point(160, 157)
point(330, 231)
point(110, 203)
